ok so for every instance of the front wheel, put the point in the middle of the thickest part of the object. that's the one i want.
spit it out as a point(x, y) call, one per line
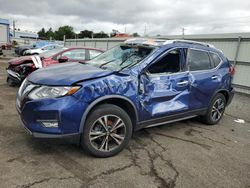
point(107, 131)
point(10, 82)
point(216, 110)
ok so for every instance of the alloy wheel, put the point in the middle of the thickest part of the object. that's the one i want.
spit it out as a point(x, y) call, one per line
point(107, 133)
point(217, 109)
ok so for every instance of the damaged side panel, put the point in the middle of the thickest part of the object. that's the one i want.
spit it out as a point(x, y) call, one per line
point(122, 85)
point(161, 96)
point(164, 95)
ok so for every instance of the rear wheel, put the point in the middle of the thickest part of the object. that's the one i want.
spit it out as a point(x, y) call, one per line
point(107, 131)
point(216, 110)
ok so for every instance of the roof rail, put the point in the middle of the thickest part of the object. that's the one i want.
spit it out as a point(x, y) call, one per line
point(189, 42)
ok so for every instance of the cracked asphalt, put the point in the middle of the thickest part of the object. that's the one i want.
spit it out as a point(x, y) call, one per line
point(183, 154)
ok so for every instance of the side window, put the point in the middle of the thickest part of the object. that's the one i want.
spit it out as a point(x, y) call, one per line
point(93, 53)
point(215, 58)
point(198, 60)
point(76, 54)
point(170, 63)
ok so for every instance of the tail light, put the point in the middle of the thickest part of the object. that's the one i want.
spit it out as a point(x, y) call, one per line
point(231, 70)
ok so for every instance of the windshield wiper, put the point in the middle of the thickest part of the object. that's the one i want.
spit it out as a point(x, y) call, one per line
point(130, 65)
point(106, 63)
point(126, 59)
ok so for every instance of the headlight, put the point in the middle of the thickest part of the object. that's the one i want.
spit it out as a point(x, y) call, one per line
point(52, 92)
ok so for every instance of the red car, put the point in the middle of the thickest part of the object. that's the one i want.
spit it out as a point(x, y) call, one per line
point(19, 68)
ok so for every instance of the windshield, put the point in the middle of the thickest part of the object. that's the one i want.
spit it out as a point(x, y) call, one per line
point(51, 52)
point(121, 56)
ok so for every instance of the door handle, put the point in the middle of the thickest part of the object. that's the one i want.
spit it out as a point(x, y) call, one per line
point(214, 77)
point(182, 83)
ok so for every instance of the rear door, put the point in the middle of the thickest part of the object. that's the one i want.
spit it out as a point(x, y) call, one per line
point(165, 87)
point(204, 78)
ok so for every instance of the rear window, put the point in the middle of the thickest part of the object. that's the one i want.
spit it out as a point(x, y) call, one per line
point(198, 60)
point(215, 58)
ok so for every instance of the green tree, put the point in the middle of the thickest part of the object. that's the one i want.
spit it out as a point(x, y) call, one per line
point(135, 35)
point(114, 32)
point(101, 35)
point(42, 34)
point(50, 33)
point(66, 30)
point(85, 34)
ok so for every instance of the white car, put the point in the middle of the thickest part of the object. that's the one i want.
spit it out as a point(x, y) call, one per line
point(37, 51)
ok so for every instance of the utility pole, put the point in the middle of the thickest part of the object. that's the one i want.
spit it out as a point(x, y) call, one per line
point(14, 28)
point(183, 32)
point(64, 39)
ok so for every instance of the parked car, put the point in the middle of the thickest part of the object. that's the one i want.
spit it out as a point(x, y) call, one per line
point(140, 83)
point(37, 51)
point(19, 68)
point(20, 50)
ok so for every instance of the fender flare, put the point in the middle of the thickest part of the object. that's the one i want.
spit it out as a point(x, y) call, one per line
point(92, 104)
point(218, 91)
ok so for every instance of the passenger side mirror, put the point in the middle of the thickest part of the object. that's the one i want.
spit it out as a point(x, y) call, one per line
point(63, 59)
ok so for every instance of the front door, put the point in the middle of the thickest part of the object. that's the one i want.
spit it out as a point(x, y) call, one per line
point(165, 87)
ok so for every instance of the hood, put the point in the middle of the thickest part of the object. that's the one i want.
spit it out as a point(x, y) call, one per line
point(66, 74)
point(19, 60)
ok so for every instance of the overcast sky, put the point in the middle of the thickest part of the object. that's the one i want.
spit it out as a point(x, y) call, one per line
point(162, 17)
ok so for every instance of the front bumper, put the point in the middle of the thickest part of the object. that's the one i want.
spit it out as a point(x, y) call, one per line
point(67, 111)
point(15, 77)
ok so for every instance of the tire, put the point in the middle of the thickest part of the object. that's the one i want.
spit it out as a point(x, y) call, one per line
point(104, 142)
point(35, 54)
point(217, 106)
point(10, 82)
point(22, 52)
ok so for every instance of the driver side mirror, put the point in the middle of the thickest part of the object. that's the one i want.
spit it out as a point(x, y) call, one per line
point(63, 59)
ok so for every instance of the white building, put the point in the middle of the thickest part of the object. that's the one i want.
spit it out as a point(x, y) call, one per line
point(4, 31)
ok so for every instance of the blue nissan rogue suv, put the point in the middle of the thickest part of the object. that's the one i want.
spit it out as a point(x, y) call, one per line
point(139, 83)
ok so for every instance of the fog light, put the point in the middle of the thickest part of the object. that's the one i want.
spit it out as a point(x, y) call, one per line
point(49, 124)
